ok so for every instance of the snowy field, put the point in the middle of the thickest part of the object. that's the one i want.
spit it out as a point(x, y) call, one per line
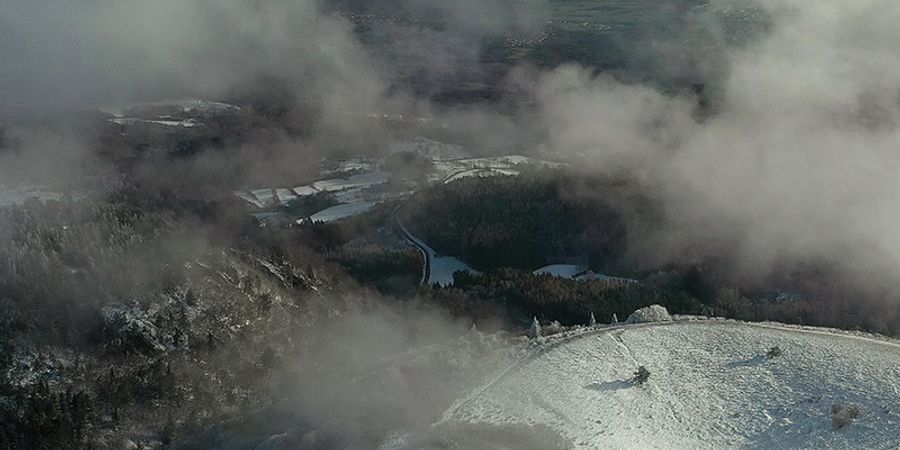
point(443, 268)
point(710, 387)
point(446, 171)
point(364, 180)
point(341, 211)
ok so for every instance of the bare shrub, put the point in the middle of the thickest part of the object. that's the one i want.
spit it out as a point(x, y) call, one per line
point(641, 376)
point(554, 327)
point(843, 417)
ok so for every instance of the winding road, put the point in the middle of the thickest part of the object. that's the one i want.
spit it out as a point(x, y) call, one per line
point(424, 249)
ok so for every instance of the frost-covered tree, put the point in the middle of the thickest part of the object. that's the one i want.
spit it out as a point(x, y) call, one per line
point(535, 330)
point(615, 319)
point(593, 320)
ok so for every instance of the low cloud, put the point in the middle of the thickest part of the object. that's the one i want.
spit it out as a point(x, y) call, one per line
point(799, 159)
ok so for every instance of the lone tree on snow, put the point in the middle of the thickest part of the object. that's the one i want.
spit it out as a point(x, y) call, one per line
point(535, 330)
point(774, 352)
point(593, 321)
point(641, 376)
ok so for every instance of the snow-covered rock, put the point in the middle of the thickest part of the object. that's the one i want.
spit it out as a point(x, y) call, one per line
point(652, 313)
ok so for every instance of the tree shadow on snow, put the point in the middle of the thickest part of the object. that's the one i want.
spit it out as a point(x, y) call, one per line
point(752, 362)
point(610, 385)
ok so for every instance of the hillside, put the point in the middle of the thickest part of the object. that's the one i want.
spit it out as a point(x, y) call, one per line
point(711, 386)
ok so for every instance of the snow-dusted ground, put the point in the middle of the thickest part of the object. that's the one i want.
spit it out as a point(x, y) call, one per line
point(359, 192)
point(481, 172)
point(351, 192)
point(579, 273)
point(204, 106)
point(186, 123)
point(434, 150)
point(181, 113)
point(363, 180)
point(450, 170)
point(498, 162)
point(341, 211)
point(710, 387)
point(18, 195)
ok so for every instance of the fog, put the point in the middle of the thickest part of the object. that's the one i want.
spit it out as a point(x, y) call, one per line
point(95, 52)
point(798, 160)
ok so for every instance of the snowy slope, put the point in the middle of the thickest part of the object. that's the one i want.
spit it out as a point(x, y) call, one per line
point(711, 387)
point(561, 270)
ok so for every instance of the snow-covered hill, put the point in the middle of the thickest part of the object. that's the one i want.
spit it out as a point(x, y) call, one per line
point(711, 386)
